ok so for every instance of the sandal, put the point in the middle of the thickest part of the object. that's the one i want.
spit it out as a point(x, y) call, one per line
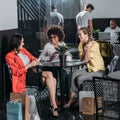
point(66, 106)
point(54, 111)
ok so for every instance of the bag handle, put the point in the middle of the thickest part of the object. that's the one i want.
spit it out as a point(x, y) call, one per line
point(16, 100)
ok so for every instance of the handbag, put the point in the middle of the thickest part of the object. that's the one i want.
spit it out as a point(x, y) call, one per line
point(25, 103)
point(33, 108)
point(14, 110)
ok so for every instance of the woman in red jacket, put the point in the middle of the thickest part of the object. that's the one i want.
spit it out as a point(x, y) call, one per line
point(21, 63)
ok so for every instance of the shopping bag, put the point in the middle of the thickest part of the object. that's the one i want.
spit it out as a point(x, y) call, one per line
point(88, 105)
point(25, 103)
point(14, 110)
point(33, 108)
point(83, 94)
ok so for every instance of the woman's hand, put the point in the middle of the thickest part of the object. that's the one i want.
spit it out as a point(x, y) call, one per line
point(54, 55)
point(32, 64)
point(88, 46)
point(86, 51)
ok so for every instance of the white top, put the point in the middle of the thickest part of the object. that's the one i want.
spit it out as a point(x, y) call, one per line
point(56, 18)
point(113, 33)
point(48, 50)
point(82, 19)
point(24, 58)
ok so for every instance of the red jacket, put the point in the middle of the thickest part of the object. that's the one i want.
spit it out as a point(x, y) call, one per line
point(18, 70)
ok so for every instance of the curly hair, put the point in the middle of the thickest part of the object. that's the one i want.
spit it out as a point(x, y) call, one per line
point(56, 30)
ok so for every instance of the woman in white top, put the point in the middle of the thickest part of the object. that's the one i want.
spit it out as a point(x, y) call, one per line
point(56, 37)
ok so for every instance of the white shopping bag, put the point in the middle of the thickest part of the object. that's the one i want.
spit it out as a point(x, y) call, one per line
point(83, 94)
point(33, 109)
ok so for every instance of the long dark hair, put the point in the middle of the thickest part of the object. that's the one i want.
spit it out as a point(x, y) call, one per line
point(15, 41)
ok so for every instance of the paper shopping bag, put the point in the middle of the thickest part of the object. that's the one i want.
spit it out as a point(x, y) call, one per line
point(88, 105)
point(14, 110)
point(83, 94)
point(99, 102)
point(33, 108)
point(24, 101)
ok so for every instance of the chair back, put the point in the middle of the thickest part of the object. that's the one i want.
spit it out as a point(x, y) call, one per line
point(113, 65)
point(7, 81)
point(109, 104)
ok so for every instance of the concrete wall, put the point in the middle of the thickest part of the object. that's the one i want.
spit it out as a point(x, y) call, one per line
point(8, 14)
point(104, 8)
point(69, 8)
point(8, 25)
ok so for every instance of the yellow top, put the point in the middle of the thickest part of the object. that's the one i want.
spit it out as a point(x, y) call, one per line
point(96, 63)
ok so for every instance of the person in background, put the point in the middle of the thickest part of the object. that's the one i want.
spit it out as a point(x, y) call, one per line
point(90, 53)
point(22, 63)
point(113, 29)
point(84, 18)
point(56, 17)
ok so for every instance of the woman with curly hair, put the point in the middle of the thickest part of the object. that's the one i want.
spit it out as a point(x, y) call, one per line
point(56, 37)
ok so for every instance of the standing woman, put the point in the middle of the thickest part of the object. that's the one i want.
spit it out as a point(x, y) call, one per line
point(21, 63)
point(90, 53)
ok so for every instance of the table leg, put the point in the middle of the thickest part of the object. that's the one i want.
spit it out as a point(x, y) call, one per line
point(62, 85)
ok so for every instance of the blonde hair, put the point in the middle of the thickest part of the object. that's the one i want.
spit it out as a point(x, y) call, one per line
point(88, 32)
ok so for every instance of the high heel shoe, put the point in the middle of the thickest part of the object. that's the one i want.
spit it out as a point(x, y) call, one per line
point(54, 111)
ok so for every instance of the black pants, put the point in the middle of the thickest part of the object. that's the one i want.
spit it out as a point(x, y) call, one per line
point(34, 79)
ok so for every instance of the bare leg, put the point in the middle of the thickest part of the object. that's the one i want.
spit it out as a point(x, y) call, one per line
point(72, 96)
point(50, 81)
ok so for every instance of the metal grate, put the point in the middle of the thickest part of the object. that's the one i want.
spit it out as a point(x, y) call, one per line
point(88, 86)
point(110, 98)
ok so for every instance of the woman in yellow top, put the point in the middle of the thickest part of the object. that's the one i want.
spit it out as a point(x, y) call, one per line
point(90, 53)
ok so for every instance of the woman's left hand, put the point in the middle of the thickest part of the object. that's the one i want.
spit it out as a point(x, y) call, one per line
point(88, 46)
point(34, 63)
point(53, 56)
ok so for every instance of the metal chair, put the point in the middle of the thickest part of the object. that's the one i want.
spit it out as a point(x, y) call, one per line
point(7, 82)
point(7, 86)
point(111, 67)
point(36, 91)
point(7, 77)
point(108, 107)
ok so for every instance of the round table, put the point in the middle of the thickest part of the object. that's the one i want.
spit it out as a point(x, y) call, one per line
point(115, 75)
